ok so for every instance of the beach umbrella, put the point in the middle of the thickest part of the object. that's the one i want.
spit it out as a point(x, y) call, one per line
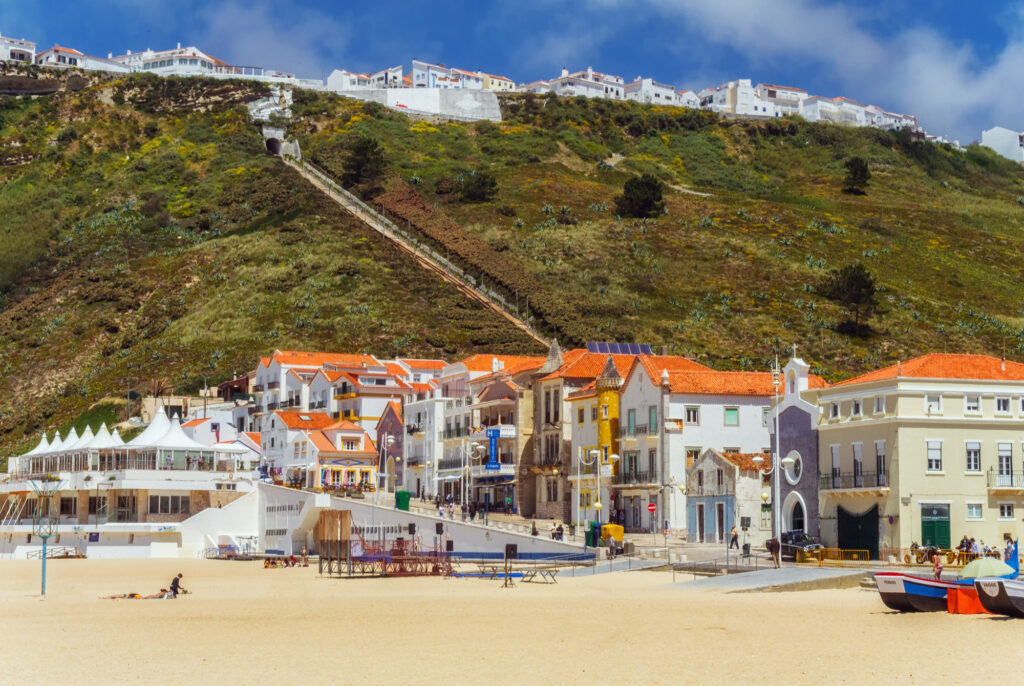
point(985, 566)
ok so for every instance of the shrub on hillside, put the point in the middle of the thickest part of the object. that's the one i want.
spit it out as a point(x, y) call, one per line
point(364, 165)
point(854, 288)
point(479, 187)
point(641, 197)
point(857, 176)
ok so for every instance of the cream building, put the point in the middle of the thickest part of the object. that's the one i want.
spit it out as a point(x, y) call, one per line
point(925, 451)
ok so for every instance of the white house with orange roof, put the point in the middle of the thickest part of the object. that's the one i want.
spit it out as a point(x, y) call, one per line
point(423, 416)
point(214, 428)
point(928, 450)
point(63, 57)
point(339, 457)
point(427, 75)
point(284, 440)
point(669, 417)
point(17, 50)
point(588, 83)
point(387, 78)
point(881, 119)
point(687, 98)
point(498, 84)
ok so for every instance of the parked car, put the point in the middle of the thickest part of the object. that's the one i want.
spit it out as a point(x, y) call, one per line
point(798, 544)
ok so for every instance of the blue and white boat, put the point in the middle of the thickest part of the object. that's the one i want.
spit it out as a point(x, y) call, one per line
point(909, 593)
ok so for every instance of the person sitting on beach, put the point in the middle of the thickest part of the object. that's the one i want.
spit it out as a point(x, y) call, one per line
point(266, 563)
point(176, 586)
point(293, 562)
point(162, 595)
point(937, 567)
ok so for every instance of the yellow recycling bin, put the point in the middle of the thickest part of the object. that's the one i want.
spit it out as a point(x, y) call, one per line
point(613, 531)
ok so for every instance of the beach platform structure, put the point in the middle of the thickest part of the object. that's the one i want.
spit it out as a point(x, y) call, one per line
point(344, 551)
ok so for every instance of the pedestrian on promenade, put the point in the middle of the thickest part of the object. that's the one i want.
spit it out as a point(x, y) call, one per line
point(937, 566)
point(774, 548)
point(533, 529)
point(734, 538)
point(465, 511)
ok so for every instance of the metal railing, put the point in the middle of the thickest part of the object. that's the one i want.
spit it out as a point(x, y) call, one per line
point(710, 489)
point(633, 431)
point(389, 229)
point(834, 557)
point(273, 385)
point(634, 477)
point(448, 434)
point(841, 480)
point(1009, 480)
point(733, 564)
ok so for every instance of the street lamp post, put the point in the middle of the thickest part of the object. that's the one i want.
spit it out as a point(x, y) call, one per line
point(595, 460)
point(467, 457)
point(775, 471)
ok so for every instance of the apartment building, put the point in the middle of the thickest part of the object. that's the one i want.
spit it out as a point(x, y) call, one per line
point(498, 84)
point(62, 57)
point(650, 91)
point(340, 80)
point(589, 83)
point(17, 50)
point(925, 451)
point(1006, 142)
point(783, 100)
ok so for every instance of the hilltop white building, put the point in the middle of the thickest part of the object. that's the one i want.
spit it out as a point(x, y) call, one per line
point(60, 56)
point(1006, 142)
point(589, 83)
point(17, 50)
point(650, 91)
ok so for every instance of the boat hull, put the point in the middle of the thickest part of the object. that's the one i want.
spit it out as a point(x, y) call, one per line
point(1001, 596)
point(906, 593)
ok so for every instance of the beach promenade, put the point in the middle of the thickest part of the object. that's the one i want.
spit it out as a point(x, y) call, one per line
point(243, 624)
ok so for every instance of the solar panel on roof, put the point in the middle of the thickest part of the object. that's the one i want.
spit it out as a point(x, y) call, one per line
point(612, 348)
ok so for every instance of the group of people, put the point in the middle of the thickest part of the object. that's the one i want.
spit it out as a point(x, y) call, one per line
point(164, 594)
point(447, 507)
point(287, 561)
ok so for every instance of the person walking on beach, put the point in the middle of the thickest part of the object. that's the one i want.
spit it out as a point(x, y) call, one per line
point(176, 586)
point(774, 547)
point(937, 566)
point(734, 538)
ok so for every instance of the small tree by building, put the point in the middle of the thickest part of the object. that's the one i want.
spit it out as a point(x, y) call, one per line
point(854, 288)
point(857, 176)
point(641, 197)
point(479, 187)
point(364, 165)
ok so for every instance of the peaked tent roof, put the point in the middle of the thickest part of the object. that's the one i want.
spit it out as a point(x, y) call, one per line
point(103, 439)
point(68, 441)
point(117, 438)
point(83, 440)
point(42, 447)
point(176, 439)
point(157, 428)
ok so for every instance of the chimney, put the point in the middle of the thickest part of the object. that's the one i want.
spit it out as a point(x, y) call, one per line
point(590, 73)
point(1004, 364)
point(129, 52)
point(179, 45)
point(565, 72)
point(110, 55)
point(664, 351)
point(664, 377)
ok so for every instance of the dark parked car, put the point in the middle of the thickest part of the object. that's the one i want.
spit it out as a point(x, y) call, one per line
point(793, 541)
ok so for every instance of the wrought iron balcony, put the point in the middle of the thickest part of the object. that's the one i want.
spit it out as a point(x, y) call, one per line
point(635, 476)
point(1005, 481)
point(838, 481)
point(633, 431)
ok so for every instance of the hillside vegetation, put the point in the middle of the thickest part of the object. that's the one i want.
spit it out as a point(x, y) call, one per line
point(149, 238)
point(756, 218)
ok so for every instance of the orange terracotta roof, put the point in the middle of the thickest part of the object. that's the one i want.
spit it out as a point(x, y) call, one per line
point(397, 409)
point(318, 359)
point(782, 88)
point(745, 461)
point(345, 425)
point(423, 387)
point(721, 383)
point(424, 364)
point(482, 362)
point(322, 443)
point(305, 420)
point(395, 369)
point(264, 361)
point(194, 422)
point(61, 48)
point(590, 365)
point(253, 436)
point(947, 366)
point(588, 391)
point(654, 365)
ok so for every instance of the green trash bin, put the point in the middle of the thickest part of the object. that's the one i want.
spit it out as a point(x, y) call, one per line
point(402, 499)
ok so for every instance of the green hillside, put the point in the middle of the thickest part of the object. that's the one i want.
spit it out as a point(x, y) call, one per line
point(149, 238)
point(756, 217)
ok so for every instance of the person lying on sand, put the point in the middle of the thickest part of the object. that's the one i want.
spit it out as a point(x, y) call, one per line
point(163, 594)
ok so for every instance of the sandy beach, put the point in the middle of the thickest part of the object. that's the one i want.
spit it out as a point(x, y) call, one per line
point(243, 624)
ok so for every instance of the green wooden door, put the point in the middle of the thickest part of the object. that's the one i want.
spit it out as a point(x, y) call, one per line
point(935, 525)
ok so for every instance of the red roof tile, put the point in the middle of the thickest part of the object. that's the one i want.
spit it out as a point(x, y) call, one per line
point(745, 461)
point(194, 422)
point(305, 420)
point(424, 364)
point(721, 383)
point(318, 359)
point(482, 362)
point(947, 366)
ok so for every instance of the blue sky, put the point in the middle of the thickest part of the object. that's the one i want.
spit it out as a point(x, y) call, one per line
point(959, 66)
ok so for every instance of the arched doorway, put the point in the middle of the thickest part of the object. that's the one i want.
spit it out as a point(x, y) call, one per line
point(274, 146)
point(794, 513)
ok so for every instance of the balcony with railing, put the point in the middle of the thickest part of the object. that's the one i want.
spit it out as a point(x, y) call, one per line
point(450, 464)
point(257, 388)
point(318, 405)
point(272, 406)
point(481, 471)
point(273, 385)
point(848, 481)
point(721, 489)
point(635, 431)
point(450, 434)
point(1005, 481)
point(634, 476)
point(415, 460)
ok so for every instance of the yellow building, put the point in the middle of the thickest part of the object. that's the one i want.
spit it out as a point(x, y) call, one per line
point(595, 429)
point(498, 84)
point(926, 451)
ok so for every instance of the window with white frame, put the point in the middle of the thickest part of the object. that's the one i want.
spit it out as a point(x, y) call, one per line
point(972, 404)
point(933, 403)
point(1002, 405)
point(833, 411)
point(934, 456)
point(973, 456)
point(856, 410)
point(1005, 510)
point(732, 416)
point(974, 511)
point(692, 415)
point(879, 404)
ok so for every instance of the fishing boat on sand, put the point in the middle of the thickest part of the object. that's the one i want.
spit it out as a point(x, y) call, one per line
point(909, 593)
point(1001, 596)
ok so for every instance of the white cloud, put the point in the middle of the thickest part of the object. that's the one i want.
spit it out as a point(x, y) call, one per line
point(280, 36)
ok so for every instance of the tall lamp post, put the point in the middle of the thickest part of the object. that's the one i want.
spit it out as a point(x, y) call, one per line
point(467, 457)
point(775, 471)
point(595, 460)
point(46, 522)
